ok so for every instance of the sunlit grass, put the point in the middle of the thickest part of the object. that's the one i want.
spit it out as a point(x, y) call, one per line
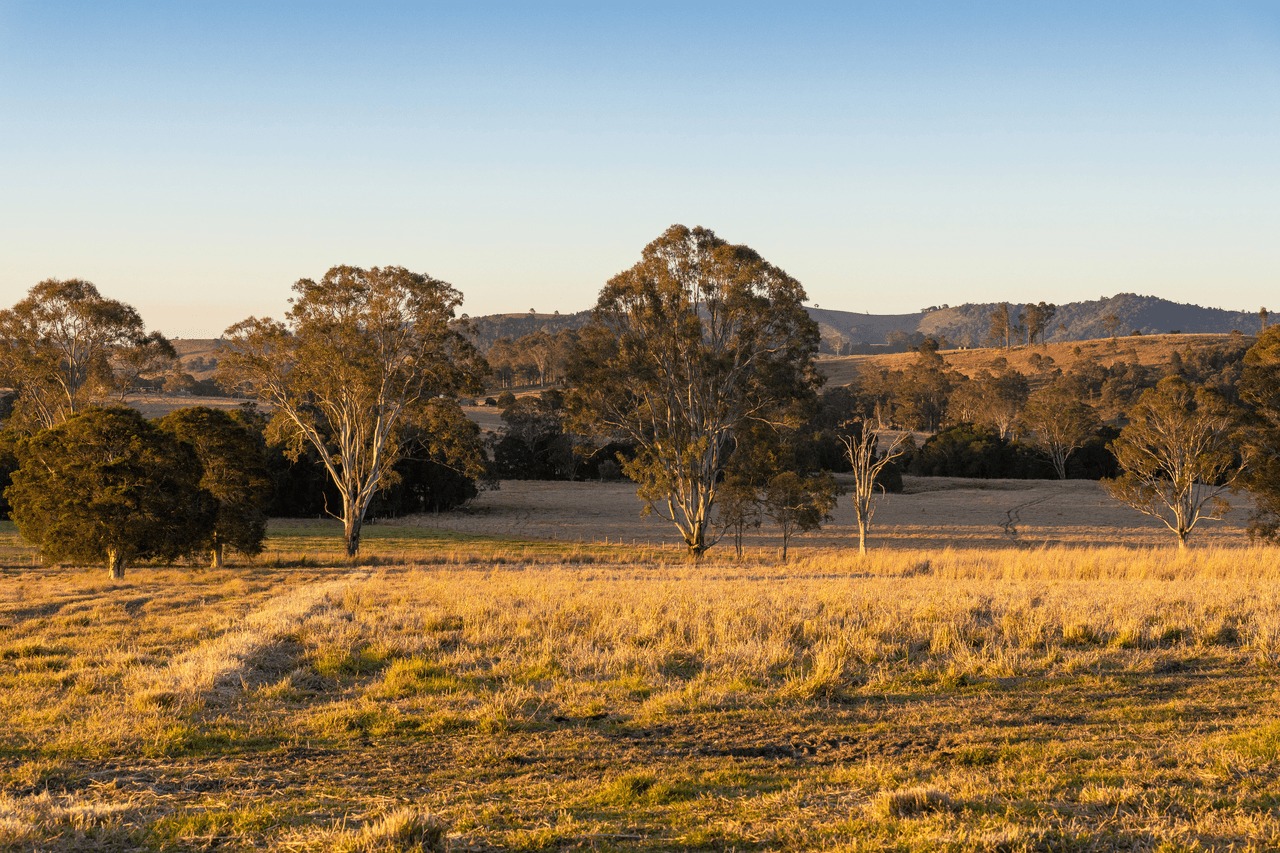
point(965, 700)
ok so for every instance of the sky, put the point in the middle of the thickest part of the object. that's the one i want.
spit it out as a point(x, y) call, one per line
point(194, 160)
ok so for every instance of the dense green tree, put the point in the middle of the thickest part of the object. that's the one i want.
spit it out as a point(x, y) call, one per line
point(694, 341)
point(59, 344)
point(234, 473)
point(1260, 390)
point(108, 486)
point(1179, 455)
point(359, 356)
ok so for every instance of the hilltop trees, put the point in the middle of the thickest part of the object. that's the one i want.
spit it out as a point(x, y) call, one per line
point(1038, 319)
point(359, 355)
point(62, 340)
point(1005, 325)
point(1179, 455)
point(108, 486)
point(694, 341)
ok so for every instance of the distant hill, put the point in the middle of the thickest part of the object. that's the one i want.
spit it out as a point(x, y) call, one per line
point(961, 324)
point(488, 328)
point(1076, 321)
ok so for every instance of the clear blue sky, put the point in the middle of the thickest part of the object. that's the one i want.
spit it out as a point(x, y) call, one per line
point(197, 161)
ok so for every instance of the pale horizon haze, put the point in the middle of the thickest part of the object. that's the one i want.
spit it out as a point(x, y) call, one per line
point(195, 160)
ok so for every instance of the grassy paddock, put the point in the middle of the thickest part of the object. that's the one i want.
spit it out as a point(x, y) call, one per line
point(1072, 699)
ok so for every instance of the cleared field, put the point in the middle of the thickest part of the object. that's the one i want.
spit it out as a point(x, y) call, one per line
point(1055, 699)
point(1149, 350)
point(934, 512)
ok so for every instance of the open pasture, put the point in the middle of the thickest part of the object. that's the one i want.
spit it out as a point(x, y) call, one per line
point(933, 512)
point(534, 695)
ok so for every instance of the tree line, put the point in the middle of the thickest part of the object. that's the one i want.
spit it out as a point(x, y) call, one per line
point(696, 380)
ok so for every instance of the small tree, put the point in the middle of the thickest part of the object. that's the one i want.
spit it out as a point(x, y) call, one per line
point(862, 446)
point(1178, 454)
point(1058, 423)
point(1111, 322)
point(799, 504)
point(234, 473)
point(108, 486)
point(361, 354)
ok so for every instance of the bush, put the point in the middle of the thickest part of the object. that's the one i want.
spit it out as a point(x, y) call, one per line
point(970, 450)
point(505, 399)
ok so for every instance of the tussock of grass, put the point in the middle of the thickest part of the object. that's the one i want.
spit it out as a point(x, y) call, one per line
point(403, 830)
point(910, 802)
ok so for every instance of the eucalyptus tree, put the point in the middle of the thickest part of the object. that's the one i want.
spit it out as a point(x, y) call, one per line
point(60, 339)
point(862, 447)
point(1179, 454)
point(1058, 423)
point(698, 339)
point(351, 368)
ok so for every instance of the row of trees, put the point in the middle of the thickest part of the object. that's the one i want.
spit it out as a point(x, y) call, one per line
point(699, 362)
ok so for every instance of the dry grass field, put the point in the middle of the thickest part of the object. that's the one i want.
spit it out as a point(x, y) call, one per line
point(1149, 350)
point(499, 688)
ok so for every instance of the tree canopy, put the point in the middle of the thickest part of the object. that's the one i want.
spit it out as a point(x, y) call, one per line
point(109, 486)
point(234, 473)
point(64, 341)
point(355, 362)
point(698, 338)
point(1178, 454)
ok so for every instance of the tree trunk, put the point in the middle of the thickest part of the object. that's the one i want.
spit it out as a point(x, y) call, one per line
point(351, 532)
point(115, 563)
point(1182, 539)
point(216, 561)
point(862, 534)
point(784, 545)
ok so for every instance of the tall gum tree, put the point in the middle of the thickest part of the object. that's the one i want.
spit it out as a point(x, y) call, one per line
point(358, 357)
point(694, 341)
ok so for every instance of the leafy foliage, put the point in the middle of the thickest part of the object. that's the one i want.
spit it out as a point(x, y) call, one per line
point(1178, 454)
point(234, 473)
point(358, 358)
point(108, 486)
point(60, 345)
point(694, 341)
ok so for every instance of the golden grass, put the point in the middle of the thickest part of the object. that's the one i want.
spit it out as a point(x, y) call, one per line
point(966, 700)
point(1149, 350)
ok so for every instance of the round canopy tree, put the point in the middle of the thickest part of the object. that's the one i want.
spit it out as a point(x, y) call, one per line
point(234, 473)
point(108, 486)
point(694, 341)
